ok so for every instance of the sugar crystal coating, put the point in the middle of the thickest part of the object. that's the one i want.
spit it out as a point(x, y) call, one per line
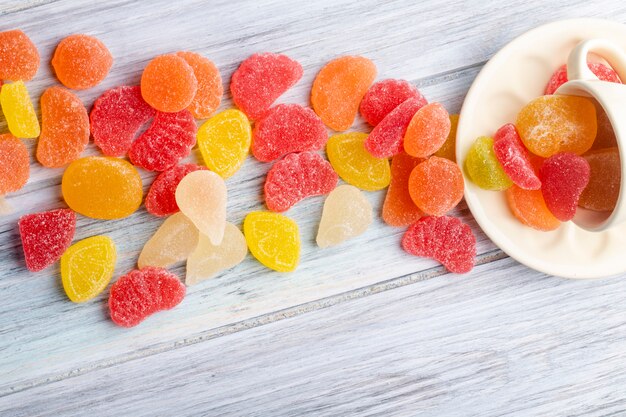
point(483, 166)
point(602, 192)
point(428, 130)
point(19, 59)
point(387, 138)
point(19, 111)
point(564, 176)
point(261, 79)
point(208, 260)
point(287, 128)
point(347, 214)
point(45, 237)
point(173, 242)
point(14, 164)
point(514, 158)
point(143, 292)
point(273, 239)
point(117, 115)
point(436, 186)
point(210, 89)
point(354, 164)
point(81, 61)
point(168, 83)
point(338, 89)
point(102, 187)
point(601, 71)
point(64, 128)
point(446, 239)
point(529, 207)
point(448, 149)
point(399, 208)
point(296, 177)
point(87, 267)
point(161, 198)
point(201, 196)
point(384, 96)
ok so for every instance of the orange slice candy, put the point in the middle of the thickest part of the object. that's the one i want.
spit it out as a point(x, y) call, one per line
point(530, 208)
point(428, 131)
point(168, 83)
point(14, 164)
point(19, 59)
point(436, 186)
point(210, 89)
point(81, 62)
point(399, 208)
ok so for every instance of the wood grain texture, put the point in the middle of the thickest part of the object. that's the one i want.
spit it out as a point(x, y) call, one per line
point(439, 46)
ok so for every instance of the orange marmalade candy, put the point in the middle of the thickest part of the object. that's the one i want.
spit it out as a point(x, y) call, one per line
point(552, 124)
point(19, 59)
point(168, 83)
point(81, 62)
point(448, 149)
point(64, 128)
point(210, 89)
point(399, 208)
point(338, 89)
point(436, 186)
point(14, 164)
point(428, 130)
point(604, 182)
point(530, 208)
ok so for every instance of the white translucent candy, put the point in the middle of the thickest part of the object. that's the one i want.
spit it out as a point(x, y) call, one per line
point(201, 196)
point(5, 207)
point(172, 242)
point(207, 259)
point(347, 213)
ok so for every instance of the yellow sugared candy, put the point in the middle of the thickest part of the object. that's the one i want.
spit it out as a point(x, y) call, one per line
point(207, 259)
point(102, 188)
point(273, 239)
point(87, 267)
point(347, 214)
point(483, 167)
point(354, 164)
point(172, 242)
point(552, 124)
point(18, 110)
point(224, 141)
point(448, 149)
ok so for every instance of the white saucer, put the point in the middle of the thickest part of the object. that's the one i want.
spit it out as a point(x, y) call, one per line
point(514, 76)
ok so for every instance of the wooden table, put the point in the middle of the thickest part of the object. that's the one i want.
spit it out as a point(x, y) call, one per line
point(363, 329)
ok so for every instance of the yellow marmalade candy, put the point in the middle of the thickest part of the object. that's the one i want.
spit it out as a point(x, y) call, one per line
point(483, 167)
point(102, 188)
point(273, 239)
point(87, 267)
point(552, 124)
point(224, 141)
point(448, 149)
point(18, 110)
point(354, 164)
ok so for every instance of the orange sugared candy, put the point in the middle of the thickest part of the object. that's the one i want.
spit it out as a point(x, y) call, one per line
point(19, 59)
point(338, 89)
point(530, 208)
point(436, 186)
point(168, 83)
point(64, 128)
point(448, 149)
point(428, 131)
point(399, 208)
point(14, 164)
point(210, 89)
point(81, 62)
point(604, 182)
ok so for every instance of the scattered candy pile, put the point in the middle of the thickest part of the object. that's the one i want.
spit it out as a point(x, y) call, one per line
point(154, 126)
point(559, 155)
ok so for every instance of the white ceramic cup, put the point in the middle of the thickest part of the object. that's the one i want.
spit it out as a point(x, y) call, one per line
point(612, 97)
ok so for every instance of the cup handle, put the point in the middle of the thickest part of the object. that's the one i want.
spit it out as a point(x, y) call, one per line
point(577, 68)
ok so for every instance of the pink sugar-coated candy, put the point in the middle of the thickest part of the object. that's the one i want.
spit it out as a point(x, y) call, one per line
point(260, 80)
point(601, 71)
point(161, 198)
point(169, 139)
point(514, 158)
point(445, 239)
point(285, 129)
point(387, 138)
point(564, 176)
point(140, 293)
point(117, 115)
point(297, 176)
point(384, 96)
point(46, 236)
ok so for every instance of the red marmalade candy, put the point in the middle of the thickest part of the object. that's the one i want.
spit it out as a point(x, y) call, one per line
point(45, 237)
point(169, 139)
point(560, 76)
point(514, 158)
point(285, 129)
point(384, 96)
point(260, 80)
point(387, 138)
point(143, 292)
point(445, 239)
point(116, 117)
point(161, 198)
point(564, 176)
point(296, 177)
